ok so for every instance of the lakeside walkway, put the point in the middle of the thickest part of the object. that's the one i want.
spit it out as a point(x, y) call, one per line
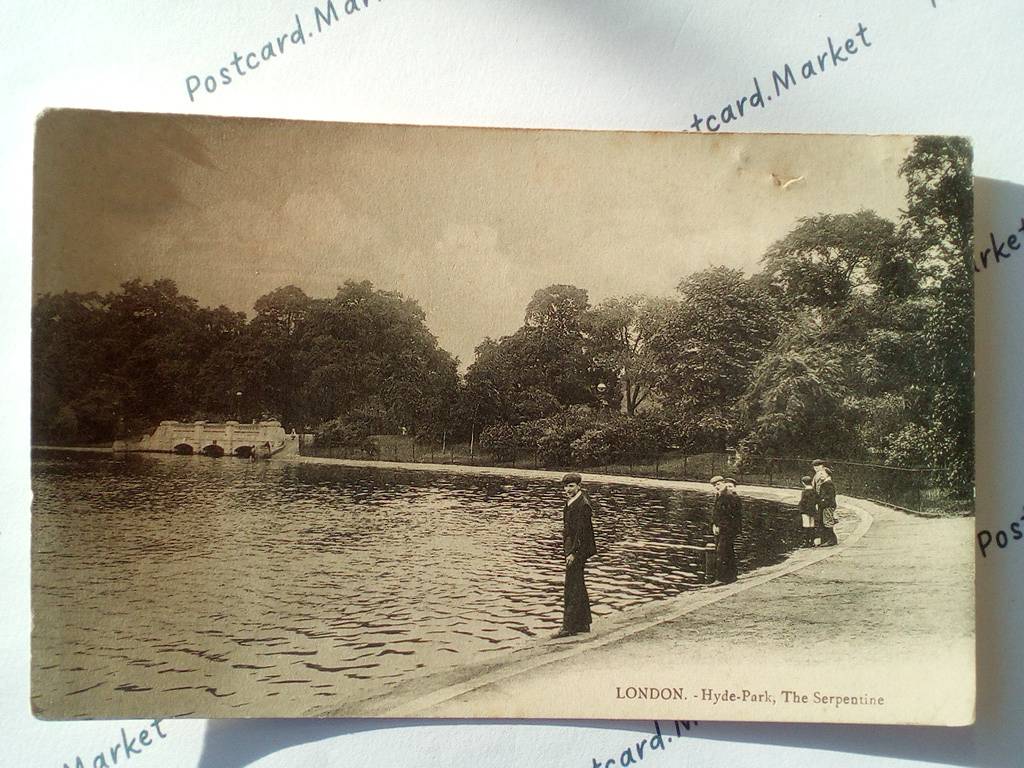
point(890, 611)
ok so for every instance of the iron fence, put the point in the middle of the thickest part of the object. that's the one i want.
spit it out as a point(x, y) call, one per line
point(919, 490)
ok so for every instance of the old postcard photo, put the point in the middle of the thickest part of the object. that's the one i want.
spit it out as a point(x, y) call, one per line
point(399, 421)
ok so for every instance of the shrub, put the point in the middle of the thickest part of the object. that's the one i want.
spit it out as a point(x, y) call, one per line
point(500, 440)
point(908, 447)
point(595, 446)
point(554, 446)
point(342, 433)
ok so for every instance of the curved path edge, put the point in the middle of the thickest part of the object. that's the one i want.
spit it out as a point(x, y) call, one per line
point(624, 624)
point(637, 621)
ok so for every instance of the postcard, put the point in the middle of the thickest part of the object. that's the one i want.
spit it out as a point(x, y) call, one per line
point(401, 421)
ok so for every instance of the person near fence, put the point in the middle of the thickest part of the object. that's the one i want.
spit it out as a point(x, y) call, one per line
point(825, 490)
point(726, 523)
point(578, 546)
point(808, 510)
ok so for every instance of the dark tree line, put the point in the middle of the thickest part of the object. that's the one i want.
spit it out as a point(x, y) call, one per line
point(853, 341)
point(115, 365)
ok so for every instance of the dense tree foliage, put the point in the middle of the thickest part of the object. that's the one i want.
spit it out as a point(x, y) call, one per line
point(545, 366)
point(718, 330)
point(828, 259)
point(626, 337)
point(875, 359)
point(854, 341)
point(937, 228)
point(108, 365)
point(112, 365)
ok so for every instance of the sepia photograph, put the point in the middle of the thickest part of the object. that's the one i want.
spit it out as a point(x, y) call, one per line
point(354, 420)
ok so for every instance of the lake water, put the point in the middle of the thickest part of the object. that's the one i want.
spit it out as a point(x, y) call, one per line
point(216, 584)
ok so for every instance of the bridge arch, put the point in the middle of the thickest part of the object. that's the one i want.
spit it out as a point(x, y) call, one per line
point(264, 438)
point(213, 450)
point(244, 451)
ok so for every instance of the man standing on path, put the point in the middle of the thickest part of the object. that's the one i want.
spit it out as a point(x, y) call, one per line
point(825, 490)
point(727, 521)
point(578, 545)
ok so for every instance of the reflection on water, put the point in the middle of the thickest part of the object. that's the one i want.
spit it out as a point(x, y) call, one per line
point(219, 583)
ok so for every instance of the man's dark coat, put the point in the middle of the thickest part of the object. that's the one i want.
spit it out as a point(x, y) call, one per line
point(728, 516)
point(578, 541)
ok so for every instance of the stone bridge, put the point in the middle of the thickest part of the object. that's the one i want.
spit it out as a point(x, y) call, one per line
point(210, 438)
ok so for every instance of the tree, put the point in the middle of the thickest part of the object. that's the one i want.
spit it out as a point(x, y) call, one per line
point(545, 365)
point(938, 227)
point(371, 348)
point(105, 365)
point(274, 380)
point(709, 345)
point(625, 333)
point(283, 310)
point(119, 363)
point(64, 361)
point(797, 399)
point(829, 257)
point(559, 309)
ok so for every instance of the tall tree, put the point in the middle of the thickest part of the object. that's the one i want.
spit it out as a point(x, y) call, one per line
point(718, 331)
point(558, 308)
point(274, 379)
point(547, 364)
point(938, 223)
point(371, 349)
point(829, 257)
point(798, 399)
point(122, 362)
point(938, 227)
point(625, 333)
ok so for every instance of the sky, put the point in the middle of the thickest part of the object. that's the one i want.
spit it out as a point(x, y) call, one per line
point(469, 222)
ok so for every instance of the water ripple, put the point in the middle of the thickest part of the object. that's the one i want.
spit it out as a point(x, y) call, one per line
point(243, 571)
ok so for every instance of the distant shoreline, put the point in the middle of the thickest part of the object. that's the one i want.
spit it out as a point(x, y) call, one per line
point(767, 493)
point(764, 492)
point(75, 448)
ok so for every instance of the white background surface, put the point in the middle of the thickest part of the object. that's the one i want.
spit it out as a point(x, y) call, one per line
point(610, 64)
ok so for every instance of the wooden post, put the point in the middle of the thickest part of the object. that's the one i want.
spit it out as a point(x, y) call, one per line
point(710, 562)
